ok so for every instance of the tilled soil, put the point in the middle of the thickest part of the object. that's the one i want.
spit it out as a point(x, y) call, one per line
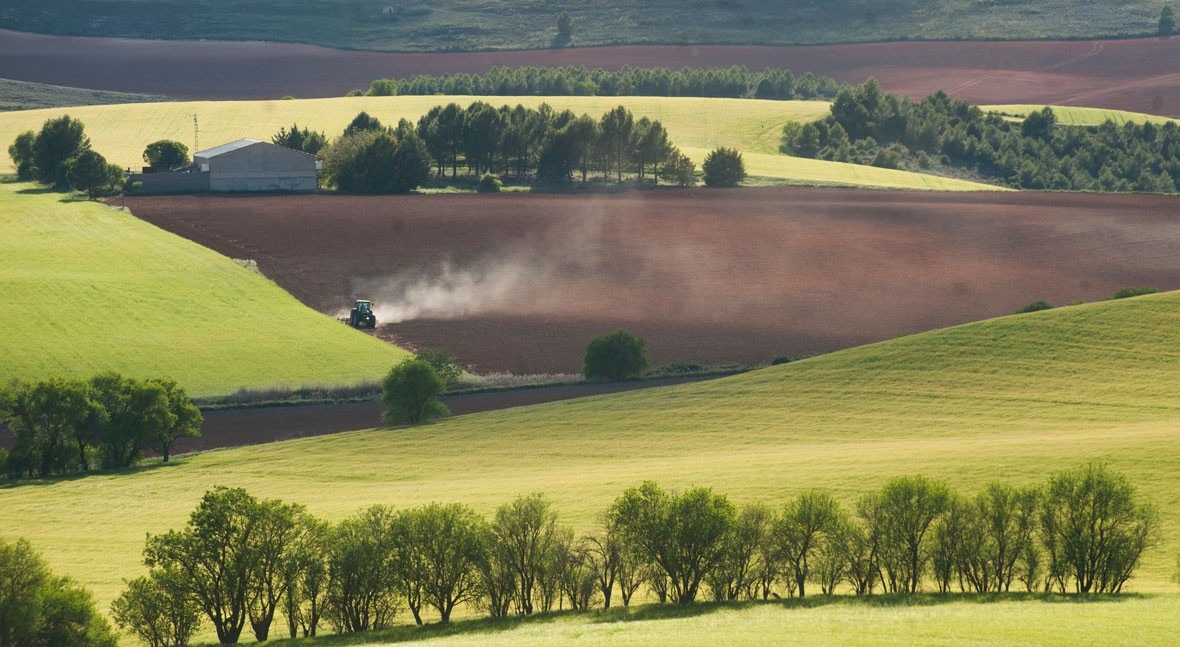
point(1133, 74)
point(520, 282)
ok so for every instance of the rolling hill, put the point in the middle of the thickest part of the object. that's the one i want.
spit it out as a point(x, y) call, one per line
point(450, 25)
point(120, 132)
point(87, 288)
point(1009, 399)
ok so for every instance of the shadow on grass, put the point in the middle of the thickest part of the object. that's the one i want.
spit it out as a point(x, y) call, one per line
point(657, 612)
point(148, 465)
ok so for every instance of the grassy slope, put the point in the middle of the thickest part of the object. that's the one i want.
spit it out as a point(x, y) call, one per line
point(1010, 399)
point(432, 25)
point(19, 95)
point(87, 288)
point(1075, 116)
point(696, 125)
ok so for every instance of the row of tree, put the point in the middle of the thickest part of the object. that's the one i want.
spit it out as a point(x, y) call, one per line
point(243, 560)
point(734, 82)
point(868, 126)
point(64, 426)
point(59, 155)
point(520, 142)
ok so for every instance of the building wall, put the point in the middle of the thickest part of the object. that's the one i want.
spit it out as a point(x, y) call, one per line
point(261, 167)
point(155, 183)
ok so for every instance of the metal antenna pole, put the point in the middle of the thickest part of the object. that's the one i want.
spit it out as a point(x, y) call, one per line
point(196, 134)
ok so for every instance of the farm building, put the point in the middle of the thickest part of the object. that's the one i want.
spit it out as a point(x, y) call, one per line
point(240, 166)
point(251, 165)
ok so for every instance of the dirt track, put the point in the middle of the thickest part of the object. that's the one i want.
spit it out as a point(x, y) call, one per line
point(1138, 74)
point(520, 282)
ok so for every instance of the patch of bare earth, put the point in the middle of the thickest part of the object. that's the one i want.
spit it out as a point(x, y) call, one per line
point(1135, 74)
point(520, 282)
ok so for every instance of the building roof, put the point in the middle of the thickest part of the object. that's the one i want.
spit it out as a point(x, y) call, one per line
point(225, 148)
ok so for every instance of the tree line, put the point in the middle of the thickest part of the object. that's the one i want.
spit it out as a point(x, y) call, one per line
point(868, 126)
point(242, 560)
point(734, 82)
point(539, 144)
point(65, 426)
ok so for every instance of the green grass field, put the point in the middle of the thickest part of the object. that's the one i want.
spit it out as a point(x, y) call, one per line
point(1010, 399)
point(437, 25)
point(87, 288)
point(1075, 116)
point(697, 126)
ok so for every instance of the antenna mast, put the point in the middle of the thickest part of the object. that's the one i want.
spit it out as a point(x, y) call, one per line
point(196, 134)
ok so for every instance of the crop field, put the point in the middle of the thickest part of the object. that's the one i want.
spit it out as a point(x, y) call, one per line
point(1134, 74)
point(438, 25)
point(88, 288)
point(1009, 399)
point(1075, 116)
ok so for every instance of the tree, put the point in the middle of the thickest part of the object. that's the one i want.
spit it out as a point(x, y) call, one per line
point(410, 392)
point(683, 535)
point(617, 129)
point(184, 419)
point(21, 152)
point(738, 573)
point(166, 154)
point(276, 529)
point(525, 532)
point(680, 169)
point(564, 29)
point(374, 161)
point(382, 88)
point(363, 122)
point(305, 140)
point(156, 612)
point(440, 551)
point(615, 356)
point(1039, 124)
point(1167, 25)
point(60, 140)
point(211, 560)
point(805, 524)
point(90, 172)
point(305, 576)
point(38, 609)
point(1094, 530)
point(362, 574)
point(49, 420)
point(136, 414)
point(723, 167)
point(907, 508)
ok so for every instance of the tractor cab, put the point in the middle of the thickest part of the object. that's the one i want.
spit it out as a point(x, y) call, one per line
point(362, 315)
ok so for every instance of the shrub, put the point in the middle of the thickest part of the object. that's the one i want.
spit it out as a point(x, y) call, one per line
point(723, 167)
point(490, 184)
point(1035, 306)
point(615, 356)
point(410, 392)
point(39, 609)
point(444, 364)
point(1127, 293)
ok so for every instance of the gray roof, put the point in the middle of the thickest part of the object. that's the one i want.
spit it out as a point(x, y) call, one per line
point(225, 148)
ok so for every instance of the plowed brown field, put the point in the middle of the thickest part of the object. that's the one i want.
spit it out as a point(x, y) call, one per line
point(520, 282)
point(1139, 75)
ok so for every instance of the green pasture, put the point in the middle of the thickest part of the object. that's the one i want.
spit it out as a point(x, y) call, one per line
point(1078, 116)
point(1010, 399)
point(121, 132)
point(448, 25)
point(87, 288)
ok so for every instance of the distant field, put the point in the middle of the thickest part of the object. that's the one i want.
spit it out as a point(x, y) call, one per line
point(88, 288)
point(1073, 116)
point(1010, 399)
point(696, 125)
point(19, 95)
point(449, 25)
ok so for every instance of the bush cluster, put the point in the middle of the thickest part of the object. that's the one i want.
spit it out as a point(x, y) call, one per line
point(39, 609)
point(60, 156)
point(733, 82)
point(240, 559)
point(65, 426)
point(868, 126)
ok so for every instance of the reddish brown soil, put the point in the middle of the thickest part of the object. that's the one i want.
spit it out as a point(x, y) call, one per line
point(520, 282)
point(1138, 74)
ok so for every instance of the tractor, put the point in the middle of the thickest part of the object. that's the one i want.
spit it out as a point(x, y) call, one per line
point(362, 315)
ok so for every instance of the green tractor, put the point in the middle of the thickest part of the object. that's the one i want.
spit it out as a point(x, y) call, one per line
point(362, 315)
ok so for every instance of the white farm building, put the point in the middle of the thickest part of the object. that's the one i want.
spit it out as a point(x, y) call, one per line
point(251, 165)
point(241, 166)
